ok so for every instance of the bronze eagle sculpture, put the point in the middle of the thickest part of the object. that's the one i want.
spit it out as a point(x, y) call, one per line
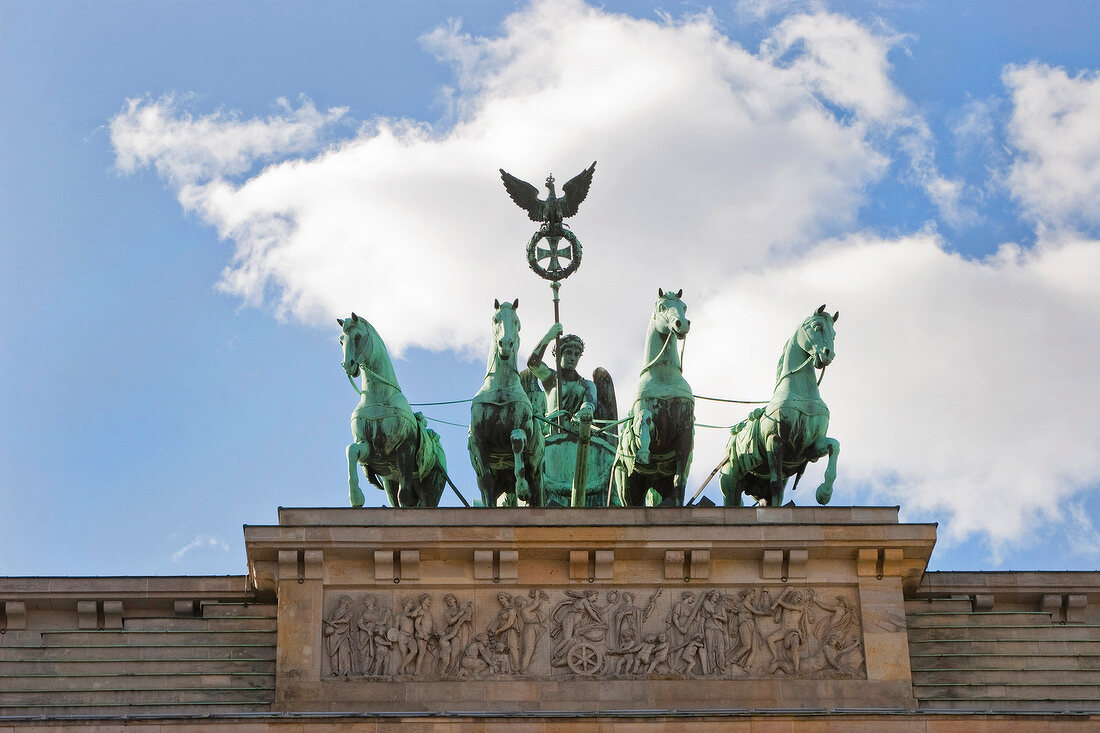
point(553, 208)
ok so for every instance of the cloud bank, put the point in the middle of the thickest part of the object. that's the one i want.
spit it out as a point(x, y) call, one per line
point(735, 174)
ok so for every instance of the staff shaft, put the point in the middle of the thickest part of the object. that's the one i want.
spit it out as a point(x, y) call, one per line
point(556, 286)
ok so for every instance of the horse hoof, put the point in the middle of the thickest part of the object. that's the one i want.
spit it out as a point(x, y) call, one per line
point(356, 497)
point(824, 493)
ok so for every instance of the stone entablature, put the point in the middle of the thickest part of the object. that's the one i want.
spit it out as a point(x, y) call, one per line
point(586, 609)
point(600, 616)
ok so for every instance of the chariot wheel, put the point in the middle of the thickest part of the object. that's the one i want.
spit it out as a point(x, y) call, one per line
point(584, 659)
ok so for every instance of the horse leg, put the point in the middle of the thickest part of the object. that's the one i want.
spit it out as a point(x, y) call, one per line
point(665, 488)
point(433, 486)
point(729, 480)
point(479, 457)
point(617, 484)
point(392, 489)
point(831, 446)
point(685, 441)
point(643, 428)
point(776, 480)
point(518, 439)
point(533, 457)
point(357, 453)
point(636, 487)
point(408, 493)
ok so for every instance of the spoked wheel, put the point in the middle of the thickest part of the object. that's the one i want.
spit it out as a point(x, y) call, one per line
point(584, 659)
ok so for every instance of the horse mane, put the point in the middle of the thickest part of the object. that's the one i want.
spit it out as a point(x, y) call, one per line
point(492, 358)
point(380, 354)
point(781, 367)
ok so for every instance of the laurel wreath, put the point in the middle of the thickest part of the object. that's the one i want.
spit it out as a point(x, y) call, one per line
point(559, 274)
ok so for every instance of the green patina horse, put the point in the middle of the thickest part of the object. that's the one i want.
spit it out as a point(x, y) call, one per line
point(654, 450)
point(397, 450)
point(506, 445)
point(777, 441)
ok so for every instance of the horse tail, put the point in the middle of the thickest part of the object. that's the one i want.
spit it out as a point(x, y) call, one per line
point(798, 474)
point(373, 477)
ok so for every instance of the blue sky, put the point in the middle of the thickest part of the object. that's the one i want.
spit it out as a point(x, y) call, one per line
point(189, 192)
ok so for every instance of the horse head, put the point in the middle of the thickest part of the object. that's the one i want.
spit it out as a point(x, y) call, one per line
point(669, 313)
point(506, 330)
point(355, 340)
point(816, 336)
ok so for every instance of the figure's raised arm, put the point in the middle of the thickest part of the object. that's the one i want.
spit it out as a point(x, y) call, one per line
point(534, 362)
point(540, 350)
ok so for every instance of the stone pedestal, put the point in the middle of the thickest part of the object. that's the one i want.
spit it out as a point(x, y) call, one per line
point(590, 610)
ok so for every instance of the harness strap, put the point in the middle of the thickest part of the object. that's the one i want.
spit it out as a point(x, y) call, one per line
point(376, 376)
point(659, 354)
point(796, 370)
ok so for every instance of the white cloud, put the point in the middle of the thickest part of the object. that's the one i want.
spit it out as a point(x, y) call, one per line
point(1085, 540)
point(720, 171)
point(974, 129)
point(759, 10)
point(1056, 175)
point(200, 542)
point(848, 67)
point(185, 149)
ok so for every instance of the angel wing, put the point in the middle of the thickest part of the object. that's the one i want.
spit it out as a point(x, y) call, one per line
point(575, 190)
point(526, 196)
point(606, 406)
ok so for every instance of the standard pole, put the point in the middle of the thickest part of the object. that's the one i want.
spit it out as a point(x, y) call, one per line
point(556, 286)
point(580, 471)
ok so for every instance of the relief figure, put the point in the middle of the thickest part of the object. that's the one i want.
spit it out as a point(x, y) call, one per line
point(681, 626)
point(790, 610)
point(747, 611)
point(842, 653)
point(406, 635)
point(337, 632)
point(504, 630)
point(534, 621)
point(424, 631)
point(715, 632)
point(458, 620)
point(364, 636)
point(476, 659)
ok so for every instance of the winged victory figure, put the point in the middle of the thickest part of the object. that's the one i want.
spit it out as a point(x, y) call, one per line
point(553, 208)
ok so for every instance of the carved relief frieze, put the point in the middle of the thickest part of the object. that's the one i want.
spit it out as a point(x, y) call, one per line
point(749, 632)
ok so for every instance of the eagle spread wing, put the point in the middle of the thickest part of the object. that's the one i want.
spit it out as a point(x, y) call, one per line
point(575, 189)
point(526, 196)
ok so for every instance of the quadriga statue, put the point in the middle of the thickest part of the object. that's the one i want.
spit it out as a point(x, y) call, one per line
point(654, 451)
point(395, 447)
point(505, 443)
point(777, 441)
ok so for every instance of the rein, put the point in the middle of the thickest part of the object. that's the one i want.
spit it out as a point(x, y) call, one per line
point(367, 371)
point(499, 366)
point(661, 353)
point(796, 370)
point(800, 367)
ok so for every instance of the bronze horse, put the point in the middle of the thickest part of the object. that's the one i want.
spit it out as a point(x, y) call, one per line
point(777, 441)
point(395, 447)
point(654, 451)
point(506, 445)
